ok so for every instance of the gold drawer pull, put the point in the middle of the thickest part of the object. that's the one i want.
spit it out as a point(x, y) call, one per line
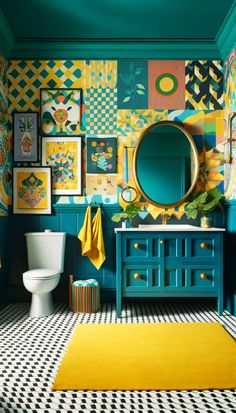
point(136, 245)
point(137, 276)
point(203, 245)
point(203, 276)
point(161, 241)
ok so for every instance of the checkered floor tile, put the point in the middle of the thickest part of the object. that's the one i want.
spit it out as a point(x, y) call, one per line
point(32, 349)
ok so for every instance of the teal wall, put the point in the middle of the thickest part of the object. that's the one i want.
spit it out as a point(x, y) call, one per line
point(229, 257)
point(4, 259)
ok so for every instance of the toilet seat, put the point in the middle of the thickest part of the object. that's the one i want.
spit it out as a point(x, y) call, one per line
point(41, 274)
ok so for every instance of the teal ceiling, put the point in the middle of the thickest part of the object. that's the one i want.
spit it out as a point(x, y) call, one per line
point(159, 22)
point(115, 19)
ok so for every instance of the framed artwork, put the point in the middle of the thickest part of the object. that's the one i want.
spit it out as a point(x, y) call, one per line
point(102, 184)
point(101, 154)
point(32, 190)
point(25, 137)
point(64, 155)
point(60, 113)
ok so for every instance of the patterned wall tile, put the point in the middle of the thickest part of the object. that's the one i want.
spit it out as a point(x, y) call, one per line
point(124, 84)
point(132, 84)
point(5, 144)
point(204, 85)
point(214, 125)
point(230, 107)
point(192, 120)
point(166, 84)
point(99, 74)
point(101, 111)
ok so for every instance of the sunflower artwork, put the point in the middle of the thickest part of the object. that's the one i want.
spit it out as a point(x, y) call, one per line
point(101, 154)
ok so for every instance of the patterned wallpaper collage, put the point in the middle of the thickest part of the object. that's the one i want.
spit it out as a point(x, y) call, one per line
point(121, 98)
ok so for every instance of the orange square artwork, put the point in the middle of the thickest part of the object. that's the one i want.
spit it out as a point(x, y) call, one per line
point(166, 84)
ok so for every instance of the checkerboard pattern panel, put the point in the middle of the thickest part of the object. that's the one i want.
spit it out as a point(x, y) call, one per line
point(32, 350)
point(101, 111)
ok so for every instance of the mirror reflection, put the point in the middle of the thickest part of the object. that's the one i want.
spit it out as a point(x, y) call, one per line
point(166, 164)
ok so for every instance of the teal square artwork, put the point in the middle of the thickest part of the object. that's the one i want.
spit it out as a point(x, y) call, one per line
point(132, 84)
point(101, 154)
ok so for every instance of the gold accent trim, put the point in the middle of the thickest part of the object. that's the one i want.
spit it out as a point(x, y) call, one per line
point(196, 162)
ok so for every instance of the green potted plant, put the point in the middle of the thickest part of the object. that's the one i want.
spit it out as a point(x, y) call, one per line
point(130, 212)
point(203, 203)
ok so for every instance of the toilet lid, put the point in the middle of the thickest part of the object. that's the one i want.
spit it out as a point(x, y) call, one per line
point(41, 273)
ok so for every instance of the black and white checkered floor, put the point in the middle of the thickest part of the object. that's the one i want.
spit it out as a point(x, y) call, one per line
point(32, 349)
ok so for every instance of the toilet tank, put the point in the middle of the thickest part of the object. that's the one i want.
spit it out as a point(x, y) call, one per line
point(46, 250)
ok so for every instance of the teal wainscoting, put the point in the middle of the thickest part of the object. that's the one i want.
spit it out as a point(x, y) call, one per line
point(67, 219)
point(230, 251)
point(4, 258)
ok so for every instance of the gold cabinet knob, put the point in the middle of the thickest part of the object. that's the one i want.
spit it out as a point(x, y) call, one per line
point(137, 276)
point(203, 245)
point(203, 276)
point(136, 245)
point(161, 241)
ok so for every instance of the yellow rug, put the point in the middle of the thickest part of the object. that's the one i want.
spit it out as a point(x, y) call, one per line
point(165, 356)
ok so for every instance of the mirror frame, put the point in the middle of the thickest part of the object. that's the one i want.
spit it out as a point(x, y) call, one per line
point(196, 163)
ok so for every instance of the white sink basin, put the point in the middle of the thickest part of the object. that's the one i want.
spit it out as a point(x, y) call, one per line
point(167, 227)
point(170, 227)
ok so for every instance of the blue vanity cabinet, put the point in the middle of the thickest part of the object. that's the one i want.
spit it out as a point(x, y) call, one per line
point(169, 264)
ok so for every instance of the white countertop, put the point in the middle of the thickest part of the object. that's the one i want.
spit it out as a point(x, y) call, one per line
point(169, 228)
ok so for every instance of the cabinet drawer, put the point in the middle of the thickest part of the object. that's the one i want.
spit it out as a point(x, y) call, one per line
point(140, 277)
point(135, 247)
point(201, 278)
point(136, 277)
point(202, 247)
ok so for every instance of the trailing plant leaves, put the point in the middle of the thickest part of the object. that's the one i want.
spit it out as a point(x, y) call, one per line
point(118, 217)
point(140, 92)
point(130, 212)
point(204, 202)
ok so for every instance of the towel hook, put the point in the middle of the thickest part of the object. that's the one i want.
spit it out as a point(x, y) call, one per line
point(95, 204)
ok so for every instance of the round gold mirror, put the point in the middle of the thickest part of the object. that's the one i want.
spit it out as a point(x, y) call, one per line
point(165, 164)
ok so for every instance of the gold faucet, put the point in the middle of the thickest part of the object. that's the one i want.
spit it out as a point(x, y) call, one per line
point(164, 218)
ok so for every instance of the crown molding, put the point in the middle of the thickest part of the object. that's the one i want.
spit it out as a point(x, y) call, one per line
point(226, 37)
point(115, 49)
point(7, 39)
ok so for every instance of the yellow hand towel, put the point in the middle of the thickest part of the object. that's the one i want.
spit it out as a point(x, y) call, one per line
point(85, 234)
point(97, 255)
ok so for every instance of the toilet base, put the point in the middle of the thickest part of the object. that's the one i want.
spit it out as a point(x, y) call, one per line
point(41, 305)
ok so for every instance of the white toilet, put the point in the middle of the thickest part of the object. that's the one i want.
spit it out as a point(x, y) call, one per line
point(46, 251)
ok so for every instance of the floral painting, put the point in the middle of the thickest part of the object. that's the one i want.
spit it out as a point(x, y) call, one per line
point(63, 154)
point(101, 154)
point(32, 190)
point(60, 112)
point(25, 135)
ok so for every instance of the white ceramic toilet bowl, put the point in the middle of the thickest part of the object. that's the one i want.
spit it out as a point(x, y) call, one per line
point(40, 282)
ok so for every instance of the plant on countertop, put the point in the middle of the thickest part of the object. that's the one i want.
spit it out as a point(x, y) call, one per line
point(130, 212)
point(204, 202)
